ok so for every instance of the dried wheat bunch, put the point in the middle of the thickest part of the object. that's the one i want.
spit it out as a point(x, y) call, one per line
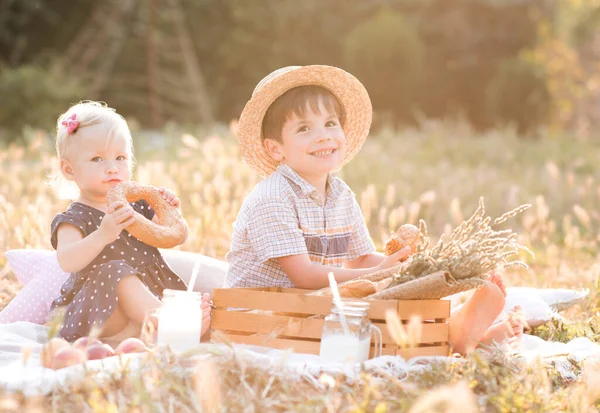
point(473, 249)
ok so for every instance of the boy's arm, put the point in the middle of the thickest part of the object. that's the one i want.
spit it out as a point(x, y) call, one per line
point(304, 274)
point(372, 259)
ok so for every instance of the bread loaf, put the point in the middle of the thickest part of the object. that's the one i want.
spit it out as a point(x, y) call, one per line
point(351, 289)
point(407, 235)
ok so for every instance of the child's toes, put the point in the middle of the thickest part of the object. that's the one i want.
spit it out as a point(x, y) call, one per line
point(495, 278)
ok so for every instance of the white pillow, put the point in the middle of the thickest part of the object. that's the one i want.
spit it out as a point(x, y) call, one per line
point(42, 277)
point(211, 271)
point(29, 263)
point(39, 271)
point(535, 310)
point(559, 299)
point(539, 305)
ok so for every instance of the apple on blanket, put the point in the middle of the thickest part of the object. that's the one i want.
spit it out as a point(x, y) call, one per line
point(58, 353)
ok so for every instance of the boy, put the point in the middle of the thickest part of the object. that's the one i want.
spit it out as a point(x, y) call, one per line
point(300, 223)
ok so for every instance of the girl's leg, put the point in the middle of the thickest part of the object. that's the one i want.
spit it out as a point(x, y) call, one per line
point(134, 301)
point(471, 322)
point(115, 323)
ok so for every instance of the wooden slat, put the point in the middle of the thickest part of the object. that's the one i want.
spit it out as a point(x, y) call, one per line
point(296, 301)
point(430, 333)
point(271, 290)
point(272, 301)
point(313, 347)
point(306, 327)
point(423, 351)
point(267, 324)
point(298, 346)
point(426, 309)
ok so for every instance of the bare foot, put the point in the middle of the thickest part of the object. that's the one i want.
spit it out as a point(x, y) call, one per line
point(206, 313)
point(496, 278)
point(516, 319)
point(509, 330)
point(472, 321)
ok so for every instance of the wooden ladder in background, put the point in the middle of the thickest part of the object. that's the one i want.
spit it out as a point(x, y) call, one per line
point(172, 80)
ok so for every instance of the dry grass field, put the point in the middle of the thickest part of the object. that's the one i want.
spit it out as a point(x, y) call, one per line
point(436, 173)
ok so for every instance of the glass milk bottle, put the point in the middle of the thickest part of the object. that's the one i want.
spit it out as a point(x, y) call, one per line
point(180, 320)
point(346, 333)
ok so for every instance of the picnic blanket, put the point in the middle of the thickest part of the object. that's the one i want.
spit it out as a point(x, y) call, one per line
point(21, 344)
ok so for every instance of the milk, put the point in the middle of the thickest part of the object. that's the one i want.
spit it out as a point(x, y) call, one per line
point(364, 349)
point(180, 338)
point(345, 348)
point(180, 323)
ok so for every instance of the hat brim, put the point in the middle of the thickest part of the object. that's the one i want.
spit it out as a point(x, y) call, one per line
point(351, 94)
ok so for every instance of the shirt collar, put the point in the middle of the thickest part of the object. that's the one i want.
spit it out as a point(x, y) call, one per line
point(334, 186)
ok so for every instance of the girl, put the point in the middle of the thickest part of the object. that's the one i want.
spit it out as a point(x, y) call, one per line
point(115, 278)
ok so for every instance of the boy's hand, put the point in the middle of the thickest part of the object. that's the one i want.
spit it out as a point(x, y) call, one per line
point(170, 197)
point(118, 217)
point(394, 259)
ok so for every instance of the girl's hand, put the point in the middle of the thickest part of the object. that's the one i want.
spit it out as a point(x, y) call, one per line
point(118, 217)
point(206, 307)
point(394, 259)
point(170, 197)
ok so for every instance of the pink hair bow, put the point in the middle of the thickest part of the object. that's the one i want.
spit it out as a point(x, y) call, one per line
point(71, 123)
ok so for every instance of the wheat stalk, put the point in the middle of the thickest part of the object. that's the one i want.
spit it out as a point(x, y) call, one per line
point(473, 249)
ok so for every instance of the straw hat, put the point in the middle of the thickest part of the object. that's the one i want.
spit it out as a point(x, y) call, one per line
point(351, 94)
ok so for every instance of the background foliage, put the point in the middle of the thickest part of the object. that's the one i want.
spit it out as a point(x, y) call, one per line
point(527, 62)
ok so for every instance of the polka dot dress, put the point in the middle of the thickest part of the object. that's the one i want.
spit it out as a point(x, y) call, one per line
point(90, 295)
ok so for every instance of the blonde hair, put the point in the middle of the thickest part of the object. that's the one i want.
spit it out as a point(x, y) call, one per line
point(87, 113)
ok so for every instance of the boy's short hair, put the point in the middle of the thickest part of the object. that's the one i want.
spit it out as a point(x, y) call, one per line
point(295, 102)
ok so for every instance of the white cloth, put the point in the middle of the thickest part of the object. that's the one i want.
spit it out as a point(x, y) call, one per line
point(33, 379)
point(25, 373)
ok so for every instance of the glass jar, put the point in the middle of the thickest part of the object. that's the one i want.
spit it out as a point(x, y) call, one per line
point(347, 332)
point(179, 320)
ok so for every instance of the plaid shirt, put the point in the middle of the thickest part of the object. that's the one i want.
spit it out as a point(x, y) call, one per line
point(285, 215)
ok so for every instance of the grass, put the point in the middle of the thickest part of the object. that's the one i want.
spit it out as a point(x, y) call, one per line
point(436, 173)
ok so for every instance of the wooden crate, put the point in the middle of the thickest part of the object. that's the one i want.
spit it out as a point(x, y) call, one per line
point(291, 327)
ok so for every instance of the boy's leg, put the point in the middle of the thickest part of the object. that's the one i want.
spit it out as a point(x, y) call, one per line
point(135, 300)
point(471, 322)
point(511, 328)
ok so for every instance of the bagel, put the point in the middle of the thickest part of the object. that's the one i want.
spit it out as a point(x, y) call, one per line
point(170, 230)
point(407, 235)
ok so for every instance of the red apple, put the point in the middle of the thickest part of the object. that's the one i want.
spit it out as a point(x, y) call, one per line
point(67, 356)
point(50, 348)
point(82, 343)
point(131, 345)
point(99, 351)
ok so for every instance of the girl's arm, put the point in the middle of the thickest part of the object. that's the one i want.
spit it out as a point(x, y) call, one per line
point(74, 252)
point(304, 274)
